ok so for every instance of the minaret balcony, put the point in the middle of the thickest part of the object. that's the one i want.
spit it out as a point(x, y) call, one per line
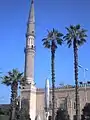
point(29, 49)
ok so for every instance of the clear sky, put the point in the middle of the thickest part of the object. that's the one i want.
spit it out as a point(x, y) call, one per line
point(48, 14)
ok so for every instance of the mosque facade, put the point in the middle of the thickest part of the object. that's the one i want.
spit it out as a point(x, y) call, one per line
point(33, 98)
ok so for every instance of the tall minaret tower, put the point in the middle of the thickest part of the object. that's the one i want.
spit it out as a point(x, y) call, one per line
point(29, 92)
point(30, 47)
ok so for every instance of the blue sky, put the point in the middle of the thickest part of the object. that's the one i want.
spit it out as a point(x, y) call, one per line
point(48, 14)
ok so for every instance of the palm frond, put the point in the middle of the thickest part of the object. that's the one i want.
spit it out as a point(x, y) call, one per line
point(13, 76)
point(78, 26)
point(59, 41)
point(19, 76)
point(53, 36)
point(75, 32)
point(44, 39)
point(72, 27)
point(6, 80)
point(69, 43)
point(81, 42)
point(46, 44)
point(23, 81)
point(68, 29)
point(83, 31)
point(60, 35)
point(82, 35)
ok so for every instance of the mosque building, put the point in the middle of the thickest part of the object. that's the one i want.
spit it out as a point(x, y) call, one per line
point(33, 98)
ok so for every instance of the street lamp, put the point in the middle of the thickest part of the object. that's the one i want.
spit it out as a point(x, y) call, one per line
point(84, 73)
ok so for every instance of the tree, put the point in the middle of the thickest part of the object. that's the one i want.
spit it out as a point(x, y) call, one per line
point(1, 112)
point(86, 112)
point(62, 114)
point(4, 109)
point(12, 79)
point(75, 36)
point(53, 39)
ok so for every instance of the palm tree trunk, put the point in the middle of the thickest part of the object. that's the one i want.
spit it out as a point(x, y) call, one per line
point(14, 88)
point(53, 80)
point(76, 80)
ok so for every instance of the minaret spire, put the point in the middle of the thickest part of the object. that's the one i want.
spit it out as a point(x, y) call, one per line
point(31, 13)
point(31, 20)
point(30, 47)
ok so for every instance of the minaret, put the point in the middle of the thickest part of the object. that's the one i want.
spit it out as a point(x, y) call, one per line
point(29, 92)
point(30, 47)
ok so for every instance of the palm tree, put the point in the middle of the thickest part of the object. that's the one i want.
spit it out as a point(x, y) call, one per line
point(75, 36)
point(53, 39)
point(12, 79)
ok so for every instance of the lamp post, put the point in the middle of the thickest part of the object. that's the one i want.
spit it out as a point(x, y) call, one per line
point(84, 75)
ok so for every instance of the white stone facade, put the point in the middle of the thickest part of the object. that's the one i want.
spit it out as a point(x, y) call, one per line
point(64, 97)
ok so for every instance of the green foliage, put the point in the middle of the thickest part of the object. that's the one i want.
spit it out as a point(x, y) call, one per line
point(1, 112)
point(62, 114)
point(75, 33)
point(4, 109)
point(13, 78)
point(4, 117)
point(4, 113)
point(53, 36)
point(86, 112)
